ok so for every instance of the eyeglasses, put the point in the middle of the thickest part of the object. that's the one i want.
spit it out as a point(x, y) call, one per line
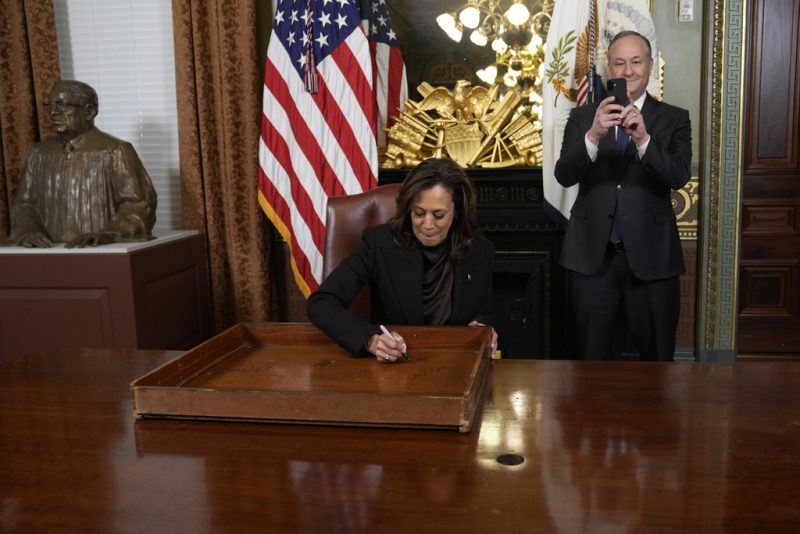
point(60, 106)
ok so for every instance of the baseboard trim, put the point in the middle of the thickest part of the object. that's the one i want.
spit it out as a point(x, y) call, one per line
point(752, 357)
point(717, 356)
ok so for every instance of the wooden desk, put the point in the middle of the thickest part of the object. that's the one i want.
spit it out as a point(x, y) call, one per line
point(608, 447)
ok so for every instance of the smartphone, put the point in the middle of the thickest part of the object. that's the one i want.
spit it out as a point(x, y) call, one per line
point(618, 88)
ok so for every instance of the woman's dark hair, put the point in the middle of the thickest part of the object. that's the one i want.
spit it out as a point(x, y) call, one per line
point(449, 175)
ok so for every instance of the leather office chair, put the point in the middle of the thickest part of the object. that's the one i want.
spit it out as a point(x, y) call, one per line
point(345, 220)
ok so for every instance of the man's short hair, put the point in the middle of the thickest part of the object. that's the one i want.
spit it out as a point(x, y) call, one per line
point(627, 33)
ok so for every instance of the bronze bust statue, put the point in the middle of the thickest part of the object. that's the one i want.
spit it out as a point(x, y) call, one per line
point(82, 186)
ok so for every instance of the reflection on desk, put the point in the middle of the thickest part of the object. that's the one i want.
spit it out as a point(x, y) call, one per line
point(623, 446)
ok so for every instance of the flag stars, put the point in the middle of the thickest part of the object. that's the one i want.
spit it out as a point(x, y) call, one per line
point(343, 3)
point(293, 17)
point(325, 19)
point(307, 15)
point(341, 20)
point(278, 17)
point(290, 38)
point(392, 36)
point(382, 20)
point(322, 40)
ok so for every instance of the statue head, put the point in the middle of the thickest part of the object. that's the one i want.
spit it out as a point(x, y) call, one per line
point(72, 106)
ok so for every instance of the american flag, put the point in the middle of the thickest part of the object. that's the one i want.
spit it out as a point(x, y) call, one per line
point(318, 124)
point(590, 89)
point(391, 89)
point(586, 87)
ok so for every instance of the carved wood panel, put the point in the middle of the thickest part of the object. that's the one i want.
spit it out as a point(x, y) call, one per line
point(773, 135)
point(766, 218)
point(769, 287)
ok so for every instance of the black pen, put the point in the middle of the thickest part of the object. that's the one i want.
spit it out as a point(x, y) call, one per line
point(386, 332)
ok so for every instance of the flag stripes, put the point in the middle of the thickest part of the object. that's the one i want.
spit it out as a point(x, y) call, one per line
point(315, 145)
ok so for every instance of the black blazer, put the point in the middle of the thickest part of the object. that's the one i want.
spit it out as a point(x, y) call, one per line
point(394, 275)
point(649, 231)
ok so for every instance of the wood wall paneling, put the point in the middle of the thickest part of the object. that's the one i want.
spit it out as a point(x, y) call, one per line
point(769, 276)
point(771, 132)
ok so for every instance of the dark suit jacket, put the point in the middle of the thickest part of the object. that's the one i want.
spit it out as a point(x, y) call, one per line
point(394, 275)
point(643, 186)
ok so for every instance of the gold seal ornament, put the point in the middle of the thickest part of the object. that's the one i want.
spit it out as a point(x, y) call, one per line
point(473, 126)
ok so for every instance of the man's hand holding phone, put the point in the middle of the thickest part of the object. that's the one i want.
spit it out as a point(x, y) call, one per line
point(629, 118)
point(607, 116)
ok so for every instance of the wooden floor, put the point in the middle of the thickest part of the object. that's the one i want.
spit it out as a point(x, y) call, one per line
point(598, 447)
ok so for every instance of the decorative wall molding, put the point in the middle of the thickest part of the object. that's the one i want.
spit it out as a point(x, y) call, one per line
point(721, 169)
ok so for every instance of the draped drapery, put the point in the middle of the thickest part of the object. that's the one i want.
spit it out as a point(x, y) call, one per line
point(28, 67)
point(218, 78)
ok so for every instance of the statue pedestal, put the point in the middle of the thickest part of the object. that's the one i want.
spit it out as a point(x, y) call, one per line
point(151, 295)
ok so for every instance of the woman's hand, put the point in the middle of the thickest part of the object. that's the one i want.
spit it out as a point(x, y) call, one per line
point(386, 349)
point(494, 336)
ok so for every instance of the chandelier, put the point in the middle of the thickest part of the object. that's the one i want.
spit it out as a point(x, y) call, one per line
point(516, 32)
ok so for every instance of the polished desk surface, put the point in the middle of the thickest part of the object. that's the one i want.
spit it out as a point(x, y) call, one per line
point(607, 447)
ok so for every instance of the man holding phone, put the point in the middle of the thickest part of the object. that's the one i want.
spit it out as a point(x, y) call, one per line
point(621, 245)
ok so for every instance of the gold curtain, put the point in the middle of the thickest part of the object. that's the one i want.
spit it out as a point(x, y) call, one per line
point(218, 78)
point(28, 67)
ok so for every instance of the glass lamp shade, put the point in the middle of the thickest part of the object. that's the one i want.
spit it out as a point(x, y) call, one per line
point(535, 43)
point(470, 17)
point(478, 38)
point(447, 22)
point(488, 75)
point(518, 14)
point(499, 46)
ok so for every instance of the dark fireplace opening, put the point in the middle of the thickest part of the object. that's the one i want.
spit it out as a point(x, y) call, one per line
point(520, 303)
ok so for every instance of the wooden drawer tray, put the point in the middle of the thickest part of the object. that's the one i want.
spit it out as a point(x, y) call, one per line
point(284, 372)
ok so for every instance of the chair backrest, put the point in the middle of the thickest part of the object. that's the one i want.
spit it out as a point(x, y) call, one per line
point(345, 220)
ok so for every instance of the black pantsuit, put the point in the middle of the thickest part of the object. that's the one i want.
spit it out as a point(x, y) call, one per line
point(394, 274)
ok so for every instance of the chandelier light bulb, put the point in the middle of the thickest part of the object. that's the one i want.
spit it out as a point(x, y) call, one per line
point(488, 75)
point(447, 23)
point(535, 43)
point(470, 17)
point(518, 14)
point(499, 46)
point(479, 38)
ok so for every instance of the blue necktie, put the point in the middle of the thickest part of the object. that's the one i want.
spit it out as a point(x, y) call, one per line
point(616, 225)
point(622, 141)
